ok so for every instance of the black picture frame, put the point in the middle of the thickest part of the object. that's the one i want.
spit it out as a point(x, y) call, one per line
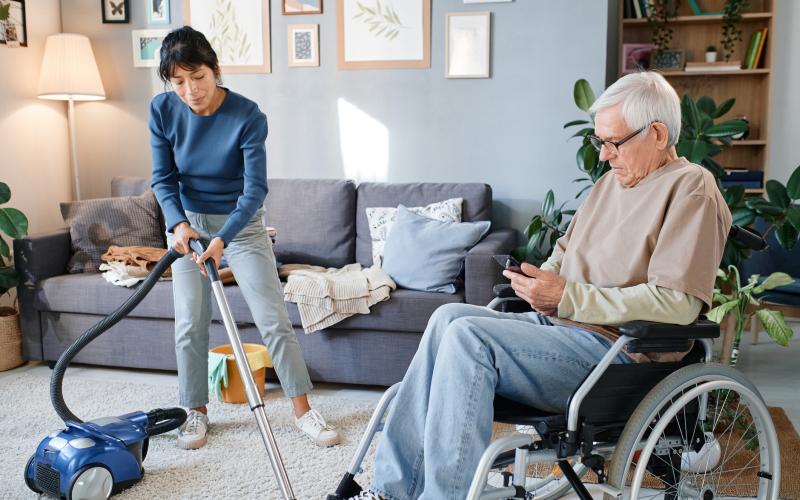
point(113, 17)
point(22, 25)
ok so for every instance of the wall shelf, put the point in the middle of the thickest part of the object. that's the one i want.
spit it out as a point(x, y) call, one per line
point(703, 19)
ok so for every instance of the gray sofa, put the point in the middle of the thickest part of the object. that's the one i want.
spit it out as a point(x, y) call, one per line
point(319, 222)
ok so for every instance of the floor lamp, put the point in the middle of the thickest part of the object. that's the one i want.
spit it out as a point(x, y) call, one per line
point(69, 73)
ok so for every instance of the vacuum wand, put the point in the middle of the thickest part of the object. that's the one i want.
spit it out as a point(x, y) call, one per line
point(253, 394)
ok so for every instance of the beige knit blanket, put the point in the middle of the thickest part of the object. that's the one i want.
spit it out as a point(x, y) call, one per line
point(327, 296)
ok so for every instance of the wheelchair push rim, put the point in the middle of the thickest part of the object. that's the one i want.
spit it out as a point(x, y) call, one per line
point(698, 453)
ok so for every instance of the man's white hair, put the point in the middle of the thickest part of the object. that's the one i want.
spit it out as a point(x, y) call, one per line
point(646, 97)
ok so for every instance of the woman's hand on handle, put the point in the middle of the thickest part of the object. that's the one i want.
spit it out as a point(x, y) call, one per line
point(183, 233)
point(214, 251)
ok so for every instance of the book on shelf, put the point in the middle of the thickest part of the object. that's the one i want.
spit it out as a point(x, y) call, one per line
point(752, 47)
point(760, 48)
point(637, 9)
point(750, 179)
point(715, 66)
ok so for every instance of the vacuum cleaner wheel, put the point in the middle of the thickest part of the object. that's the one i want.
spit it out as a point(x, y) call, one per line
point(94, 482)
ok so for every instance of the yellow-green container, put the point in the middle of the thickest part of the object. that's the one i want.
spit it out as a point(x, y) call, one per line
point(259, 360)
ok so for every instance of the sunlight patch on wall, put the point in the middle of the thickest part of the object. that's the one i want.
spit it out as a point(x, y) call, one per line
point(365, 144)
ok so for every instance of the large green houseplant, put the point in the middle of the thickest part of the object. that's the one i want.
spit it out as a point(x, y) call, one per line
point(13, 224)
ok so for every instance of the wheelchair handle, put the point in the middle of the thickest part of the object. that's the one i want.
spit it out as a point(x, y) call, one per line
point(211, 269)
point(747, 238)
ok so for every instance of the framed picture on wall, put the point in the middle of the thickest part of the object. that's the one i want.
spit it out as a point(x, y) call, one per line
point(382, 34)
point(468, 45)
point(115, 11)
point(636, 57)
point(292, 7)
point(157, 11)
point(13, 32)
point(239, 32)
point(303, 45)
point(147, 47)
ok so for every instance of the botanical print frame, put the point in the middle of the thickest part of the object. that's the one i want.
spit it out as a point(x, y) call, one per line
point(301, 7)
point(635, 57)
point(383, 34)
point(238, 30)
point(158, 11)
point(115, 11)
point(14, 31)
point(468, 45)
point(147, 47)
point(303, 45)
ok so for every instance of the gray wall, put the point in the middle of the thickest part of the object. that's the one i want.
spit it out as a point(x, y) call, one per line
point(505, 131)
point(784, 127)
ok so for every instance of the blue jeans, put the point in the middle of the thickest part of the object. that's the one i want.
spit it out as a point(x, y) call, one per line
point(250, 257)
point(441, 418)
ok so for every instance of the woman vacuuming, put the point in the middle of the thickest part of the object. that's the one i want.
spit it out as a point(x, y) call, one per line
point(210, 178)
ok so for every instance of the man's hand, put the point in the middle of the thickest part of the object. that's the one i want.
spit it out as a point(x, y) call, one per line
point(213, 251)
point(541, 289)
point(183, 233)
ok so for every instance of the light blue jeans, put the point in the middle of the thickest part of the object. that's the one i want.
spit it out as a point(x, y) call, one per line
point(441, 418)
point(251, 259)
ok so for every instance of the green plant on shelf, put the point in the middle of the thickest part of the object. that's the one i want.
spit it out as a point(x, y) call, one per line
point(659, 13)
point(731, 31)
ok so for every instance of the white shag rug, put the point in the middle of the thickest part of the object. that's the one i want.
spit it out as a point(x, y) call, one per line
point(234, 463)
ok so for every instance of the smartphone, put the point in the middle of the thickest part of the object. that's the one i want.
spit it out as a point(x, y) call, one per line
point(509, 263)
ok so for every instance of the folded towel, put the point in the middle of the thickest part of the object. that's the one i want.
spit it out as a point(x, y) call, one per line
point(326, 296)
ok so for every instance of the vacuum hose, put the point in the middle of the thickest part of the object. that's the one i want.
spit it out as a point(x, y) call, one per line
point(162, 420)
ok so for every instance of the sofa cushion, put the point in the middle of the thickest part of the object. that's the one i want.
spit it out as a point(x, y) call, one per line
point(96, 224)
point(315, 219)
point(405, 311)
point(477, 204)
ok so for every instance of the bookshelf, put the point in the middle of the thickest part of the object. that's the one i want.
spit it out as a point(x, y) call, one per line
point(751, 87)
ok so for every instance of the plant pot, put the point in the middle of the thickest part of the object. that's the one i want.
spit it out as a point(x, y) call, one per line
point(10, 339)
point(711, 57)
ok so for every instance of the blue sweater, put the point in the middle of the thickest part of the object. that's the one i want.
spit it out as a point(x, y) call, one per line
point(213, 164)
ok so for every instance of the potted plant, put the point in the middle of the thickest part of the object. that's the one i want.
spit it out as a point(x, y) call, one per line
point(13, 224)
point(711, 54)
point(731, 31)
point(742, 302)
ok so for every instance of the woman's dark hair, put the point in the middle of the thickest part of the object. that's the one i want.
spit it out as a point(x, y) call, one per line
point(186, 48)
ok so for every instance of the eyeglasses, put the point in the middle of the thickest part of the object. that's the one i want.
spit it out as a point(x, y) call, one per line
point(613, 146)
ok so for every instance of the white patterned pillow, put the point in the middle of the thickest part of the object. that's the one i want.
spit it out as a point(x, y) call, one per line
point(380, 221)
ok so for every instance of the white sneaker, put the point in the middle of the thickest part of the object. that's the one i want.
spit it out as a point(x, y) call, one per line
point(367, 495)
point(193, 433)
point(315, 427)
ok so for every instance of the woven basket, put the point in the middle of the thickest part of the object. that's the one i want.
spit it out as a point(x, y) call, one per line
point(10, 339)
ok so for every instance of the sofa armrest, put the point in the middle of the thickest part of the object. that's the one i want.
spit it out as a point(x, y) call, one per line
point(481, 272)
point(37, 258)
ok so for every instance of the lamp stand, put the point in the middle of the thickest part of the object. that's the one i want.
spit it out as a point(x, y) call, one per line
point(73, 147)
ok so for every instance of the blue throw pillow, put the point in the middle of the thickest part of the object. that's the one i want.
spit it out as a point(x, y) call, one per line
point(427, 254)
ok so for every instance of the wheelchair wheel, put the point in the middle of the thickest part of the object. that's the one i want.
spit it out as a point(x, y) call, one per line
point(703, 432)
point(543, 479)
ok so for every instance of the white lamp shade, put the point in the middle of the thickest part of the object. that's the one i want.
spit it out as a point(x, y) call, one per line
point(69, 70)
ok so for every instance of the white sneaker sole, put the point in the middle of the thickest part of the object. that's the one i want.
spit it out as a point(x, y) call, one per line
point(192, 444)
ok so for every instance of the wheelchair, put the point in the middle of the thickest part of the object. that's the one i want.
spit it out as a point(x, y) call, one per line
point(677, 430)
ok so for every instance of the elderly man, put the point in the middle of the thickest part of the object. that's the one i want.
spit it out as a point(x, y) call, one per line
point(644, 245)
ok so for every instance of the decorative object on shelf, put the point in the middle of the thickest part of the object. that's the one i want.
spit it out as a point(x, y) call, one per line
point(468, 45)
point(158, 11)
point(303, 45)
point(731, 32)
point(294, 7)
point(743, 135)
point(115, 11)
point(667, 60)
point(13, 31)
point(69, 73)
point(636, 56)
point(711, 54)
point(147, 47)
point(378, 34)
point(658, 14)
point(238, 30)
point(698, 12)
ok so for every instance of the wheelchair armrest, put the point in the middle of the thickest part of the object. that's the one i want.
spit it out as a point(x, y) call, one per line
point(503, 291)
point(650, 330)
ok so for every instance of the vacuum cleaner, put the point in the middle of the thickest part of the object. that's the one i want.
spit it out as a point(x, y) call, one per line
point(96, 459)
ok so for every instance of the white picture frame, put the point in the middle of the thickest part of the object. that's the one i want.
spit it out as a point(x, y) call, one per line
point(146, 46)
point(239, 33)
point(468, 45)
point(303, 43)
point(158, 11)
point(383, 34)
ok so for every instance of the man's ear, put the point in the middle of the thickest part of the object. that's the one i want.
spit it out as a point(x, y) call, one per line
point(662, 135)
